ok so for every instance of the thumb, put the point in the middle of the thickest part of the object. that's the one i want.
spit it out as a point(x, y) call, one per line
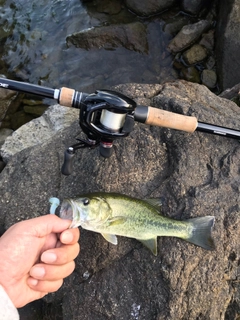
point(47, 224)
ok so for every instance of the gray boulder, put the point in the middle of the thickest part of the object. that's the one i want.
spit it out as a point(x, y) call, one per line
point(228, 44)
point(194, 174)
point(132, 36)
point(38, 131)
point(148, 8)
point(193, 7)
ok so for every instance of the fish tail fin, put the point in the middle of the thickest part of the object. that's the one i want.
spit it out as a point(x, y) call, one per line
point(201, 232)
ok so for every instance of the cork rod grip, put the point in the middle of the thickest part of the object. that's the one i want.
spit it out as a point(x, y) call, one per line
point(162, 118)
point(66, 97)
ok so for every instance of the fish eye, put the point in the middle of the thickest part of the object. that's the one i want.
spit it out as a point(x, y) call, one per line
point(86, 201)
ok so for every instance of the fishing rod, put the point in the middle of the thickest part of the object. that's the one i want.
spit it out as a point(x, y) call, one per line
point(107, 115)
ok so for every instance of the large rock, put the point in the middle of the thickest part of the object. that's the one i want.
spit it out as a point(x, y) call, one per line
point(132, 36)
point(194, 174)
point(150, 7)
point(38, 130)
point(228, 43)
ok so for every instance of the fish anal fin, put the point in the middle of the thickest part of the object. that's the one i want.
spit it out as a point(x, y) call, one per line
point(151, 244)
point(110, 238)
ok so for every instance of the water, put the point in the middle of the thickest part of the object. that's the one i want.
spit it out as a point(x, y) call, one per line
point(34, 49)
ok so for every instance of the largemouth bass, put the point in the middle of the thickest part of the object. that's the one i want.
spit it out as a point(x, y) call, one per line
point(113, 214)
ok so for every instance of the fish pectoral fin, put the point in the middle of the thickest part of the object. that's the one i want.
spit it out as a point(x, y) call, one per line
point(151, 244)
point(110, 238)
point(116, 220)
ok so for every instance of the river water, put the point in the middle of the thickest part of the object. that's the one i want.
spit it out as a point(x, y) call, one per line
point(34, 49)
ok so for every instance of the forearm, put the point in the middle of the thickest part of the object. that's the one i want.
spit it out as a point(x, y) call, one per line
point(7, 309)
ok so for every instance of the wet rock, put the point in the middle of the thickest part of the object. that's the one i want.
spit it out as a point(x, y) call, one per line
point(196, 174)
point(4, 133)
point(190, 74)
point(39, 130)
point(35, 110)
point(31, 102)
point(211, 62)
point(228, 44)
point(6, 97)
point(207, 40)
point(174, 25)
point(209, 78)
point(188, 35)
point(193, 6)
point(19, 118)
point(131, 36)
point(148, 8)
point(195, 54)
point(109, 6)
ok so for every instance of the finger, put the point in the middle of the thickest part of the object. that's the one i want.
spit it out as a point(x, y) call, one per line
point(61, 255)
point(44, 286)
point(47, 224)
point(70, 236)
point(48, 272)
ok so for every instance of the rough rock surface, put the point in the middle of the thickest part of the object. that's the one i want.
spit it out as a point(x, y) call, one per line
point(194, 174)
point(38, 130)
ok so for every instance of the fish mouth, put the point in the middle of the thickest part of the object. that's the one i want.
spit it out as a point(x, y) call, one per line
point(66, 211)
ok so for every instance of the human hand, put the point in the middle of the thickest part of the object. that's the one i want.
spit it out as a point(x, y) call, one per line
point(35, 256)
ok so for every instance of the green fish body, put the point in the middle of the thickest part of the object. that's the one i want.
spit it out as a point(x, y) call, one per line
point(113, 214)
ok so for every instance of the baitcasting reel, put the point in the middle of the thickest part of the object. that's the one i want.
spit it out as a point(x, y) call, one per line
point(104, 116)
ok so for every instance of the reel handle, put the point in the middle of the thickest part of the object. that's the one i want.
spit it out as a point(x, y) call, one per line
point(67, 167)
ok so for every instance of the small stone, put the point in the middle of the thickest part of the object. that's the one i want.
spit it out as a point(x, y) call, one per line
point(209, 78)
point(195, 54)
point(208, 40)
point(190, 74)
point(211, 62)
point(188, 35)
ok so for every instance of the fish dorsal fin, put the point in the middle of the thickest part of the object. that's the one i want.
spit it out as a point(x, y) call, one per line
point(110, 238)
point(151, 244)
point(156, 203)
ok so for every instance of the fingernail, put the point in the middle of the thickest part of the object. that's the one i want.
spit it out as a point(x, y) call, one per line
point(37, 272)
point(67, 237)
point(48, 257)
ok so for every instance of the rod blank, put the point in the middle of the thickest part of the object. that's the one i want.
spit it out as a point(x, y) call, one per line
point(27, 88)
